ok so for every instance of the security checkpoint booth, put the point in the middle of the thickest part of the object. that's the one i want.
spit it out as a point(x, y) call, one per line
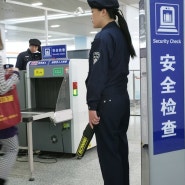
point(56, 112)
point(162, 70)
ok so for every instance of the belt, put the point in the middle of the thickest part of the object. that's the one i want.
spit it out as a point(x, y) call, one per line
point(113, 91)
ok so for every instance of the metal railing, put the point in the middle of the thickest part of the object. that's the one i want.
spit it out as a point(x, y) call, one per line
point(134, 81)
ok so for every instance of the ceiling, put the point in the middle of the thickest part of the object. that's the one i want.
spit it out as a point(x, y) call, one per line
point(75, 24)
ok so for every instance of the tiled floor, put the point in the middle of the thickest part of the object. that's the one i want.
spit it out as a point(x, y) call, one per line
point(67, 170)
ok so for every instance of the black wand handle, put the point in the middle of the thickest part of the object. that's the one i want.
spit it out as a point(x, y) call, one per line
point(85, 140)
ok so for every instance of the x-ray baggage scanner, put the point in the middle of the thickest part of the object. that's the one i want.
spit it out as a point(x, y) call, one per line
point(56, 112)
point(58, 87)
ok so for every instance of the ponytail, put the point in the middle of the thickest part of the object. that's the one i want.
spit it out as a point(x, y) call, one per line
point(124, 28)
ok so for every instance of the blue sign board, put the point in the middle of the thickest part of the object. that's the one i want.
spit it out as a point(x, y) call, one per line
point(39, 63)
point(48, 62)
point(54, 52)
point(167, 65)
point(57, 62)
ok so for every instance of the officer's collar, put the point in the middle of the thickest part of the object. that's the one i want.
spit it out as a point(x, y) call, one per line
point(110, 24)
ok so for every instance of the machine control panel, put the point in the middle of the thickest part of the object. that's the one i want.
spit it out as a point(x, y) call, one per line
point(48, 68)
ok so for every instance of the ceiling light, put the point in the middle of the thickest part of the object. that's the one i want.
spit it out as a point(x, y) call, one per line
point(93, 32)
point(84, 1)
point(42, 18)
point(55, 26)
point(79, 10)
point(60, 39)
point(37, 4)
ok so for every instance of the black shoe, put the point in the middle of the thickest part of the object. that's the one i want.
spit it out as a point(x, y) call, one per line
point(2, 181)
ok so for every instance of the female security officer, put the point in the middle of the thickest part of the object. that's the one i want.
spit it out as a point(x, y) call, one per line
point(107, 89)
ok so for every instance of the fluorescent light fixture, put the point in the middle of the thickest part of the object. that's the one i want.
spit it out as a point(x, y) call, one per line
point(79, 10)
point(39, 7)
point(42, 18)
point(55, 26)
point(60, 39)
point(93, 32)
point(84, 1)
point(37, 4)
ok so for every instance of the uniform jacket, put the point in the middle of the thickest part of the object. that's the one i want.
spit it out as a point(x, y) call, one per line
point(108, 64)
point(5, 86)
point(26, 56)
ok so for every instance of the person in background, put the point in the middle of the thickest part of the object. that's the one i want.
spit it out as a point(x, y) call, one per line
point(8, 137)
point(31, 54)
point(107, 97)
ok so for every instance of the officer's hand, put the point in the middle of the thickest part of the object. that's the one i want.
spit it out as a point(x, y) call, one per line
point(93, 118)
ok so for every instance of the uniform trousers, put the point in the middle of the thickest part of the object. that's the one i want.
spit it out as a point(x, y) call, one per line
point(10, 148)
point(111, 137)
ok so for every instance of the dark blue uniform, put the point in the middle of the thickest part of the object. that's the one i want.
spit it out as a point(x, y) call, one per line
point(25, 57)
point(107, 94)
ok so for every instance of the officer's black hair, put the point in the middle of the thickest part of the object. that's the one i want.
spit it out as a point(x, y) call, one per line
point(39, 49)
point(124, 28)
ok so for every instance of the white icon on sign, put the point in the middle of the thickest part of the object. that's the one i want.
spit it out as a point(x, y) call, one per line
point(47, 52)
point(167, 22)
